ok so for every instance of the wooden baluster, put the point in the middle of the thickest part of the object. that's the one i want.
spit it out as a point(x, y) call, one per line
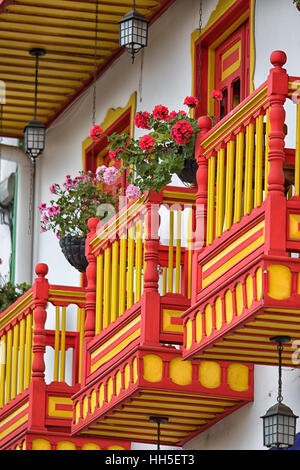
point(276, 201)
point(220, 193)
point(229, 182)
point(238, 194)
point(258, 180)
point(36, 419)
point(204, 124)
point(91, 273)
point(150, 321)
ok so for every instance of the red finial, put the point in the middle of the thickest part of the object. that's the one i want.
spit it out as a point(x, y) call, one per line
point(41, 269)
point(93, 223)
point(205, 123)
point(278, 58)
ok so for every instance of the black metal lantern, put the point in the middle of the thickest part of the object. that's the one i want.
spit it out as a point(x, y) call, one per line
point(279, 422)
point(35, 130)
point(133, 32)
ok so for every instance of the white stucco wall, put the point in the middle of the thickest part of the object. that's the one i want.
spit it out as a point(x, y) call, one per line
point(166, 79)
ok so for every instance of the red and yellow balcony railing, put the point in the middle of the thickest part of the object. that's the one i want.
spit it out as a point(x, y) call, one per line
point(246, 289)
point(30, 407)
point(139, 281)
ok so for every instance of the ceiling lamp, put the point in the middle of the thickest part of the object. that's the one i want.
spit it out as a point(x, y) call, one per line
point(133, 32)
point(279, 422)
point(35, 130)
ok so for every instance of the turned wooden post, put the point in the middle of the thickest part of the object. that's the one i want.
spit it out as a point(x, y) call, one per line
point(37, 406)
point(276, 201)
point(91, 276)
point(204, 124)
point(150, 322)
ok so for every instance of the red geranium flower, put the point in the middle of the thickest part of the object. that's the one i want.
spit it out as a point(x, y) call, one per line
point(113, 154)
point(96, 132)
point(160, 112)
point(216, 95)
point(191, 101)
point(181, 132)
point(147, 143)
point(142, 120)
point(174, 114)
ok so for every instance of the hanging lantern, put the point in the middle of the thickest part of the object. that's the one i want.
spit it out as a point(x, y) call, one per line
point(133, 32)
point(34, 138)
point(279, 422)
point(35, 130)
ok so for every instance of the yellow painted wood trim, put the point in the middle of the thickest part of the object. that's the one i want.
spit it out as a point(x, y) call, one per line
point(53, 401)
point(258, 161)
point(15, 365)
point(21, 356)
point(220, 192)
point(3, 369)
point(167, 320)
point(233, 245)
point(8, 366)
point(178, 252)
point(115, 337)
point(63, 345)
point(239, 177)
point(229, 184)
point(211, 200)
point(171, 251)
point(99, 294)
point(122, 280)
point(114, 351)
point(234, 260)
point(115, 281)
point(56, 345)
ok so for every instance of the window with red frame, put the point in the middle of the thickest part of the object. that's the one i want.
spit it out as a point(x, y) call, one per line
point(97, 154)
point(223, 64)
point(232, 71)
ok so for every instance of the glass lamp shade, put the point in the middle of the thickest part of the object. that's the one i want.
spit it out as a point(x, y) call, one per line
point(133, 32)
point(34, 138)
point(279, 427)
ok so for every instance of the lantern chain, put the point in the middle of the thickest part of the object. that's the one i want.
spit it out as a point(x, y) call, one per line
point(280, 398)
point(199, 71)
point(95, 64)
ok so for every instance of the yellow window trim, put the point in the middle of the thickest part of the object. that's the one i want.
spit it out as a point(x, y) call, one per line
point(112, 115)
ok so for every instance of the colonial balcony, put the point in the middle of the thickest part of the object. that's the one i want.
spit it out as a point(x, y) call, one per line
point(247, 262)
point(139, 284)
point(35, 415)
point(100, 360)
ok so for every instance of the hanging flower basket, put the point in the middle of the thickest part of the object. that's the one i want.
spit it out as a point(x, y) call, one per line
point(73, 249)
point(77, 200)
point(297, 2)
point(189, 172)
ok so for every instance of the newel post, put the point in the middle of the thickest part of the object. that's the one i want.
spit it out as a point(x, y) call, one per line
point(204, 124)
point(36, 419)
point(150, 321)
point(91, 275)
point(276, 201)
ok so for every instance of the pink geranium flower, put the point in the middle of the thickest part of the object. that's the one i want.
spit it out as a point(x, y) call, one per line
point(133, 192)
